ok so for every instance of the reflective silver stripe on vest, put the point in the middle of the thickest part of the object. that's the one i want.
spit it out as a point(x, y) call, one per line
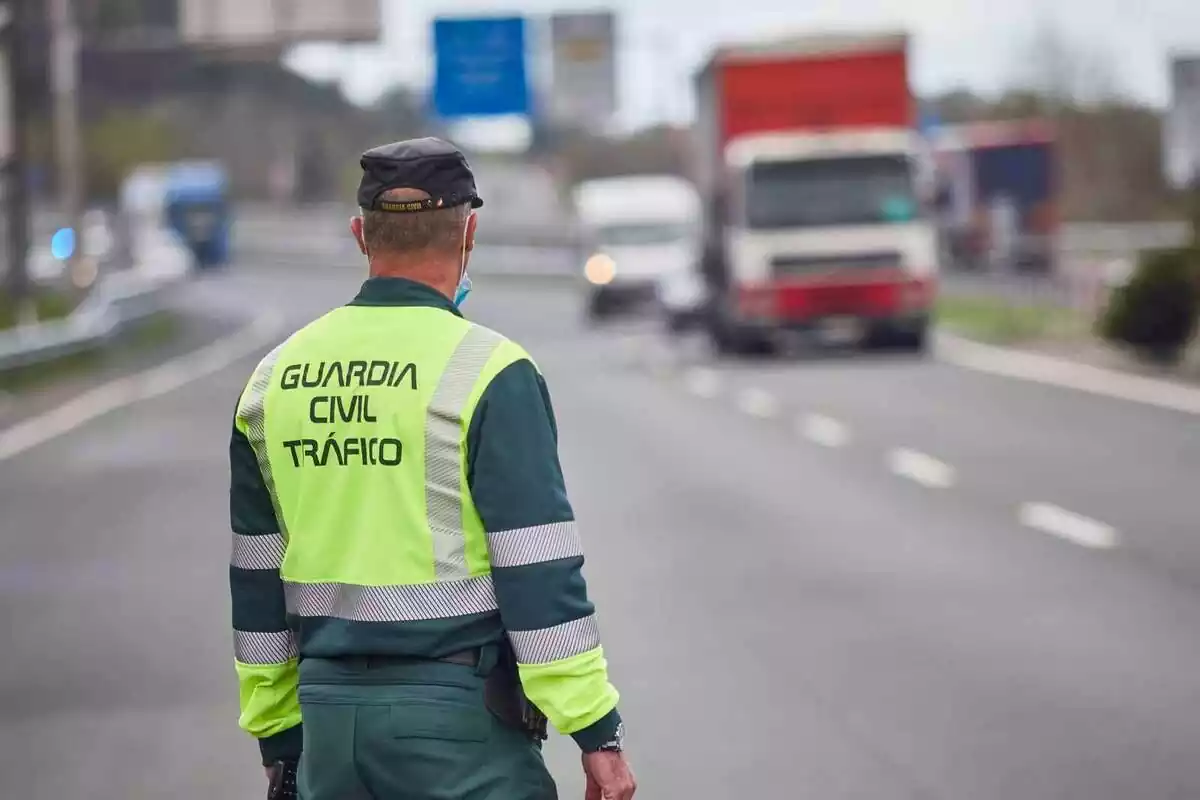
point(557, 643)
point(443, 450)
point(258, 552)
point(412, 603)
point(263, 649)
point(253, 412)
point(517, 548)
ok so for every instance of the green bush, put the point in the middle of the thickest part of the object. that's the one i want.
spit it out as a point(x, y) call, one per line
point(1156, 312)
point(47, 305)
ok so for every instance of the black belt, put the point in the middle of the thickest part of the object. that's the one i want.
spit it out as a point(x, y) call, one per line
point(467, 658)
point(502, 691)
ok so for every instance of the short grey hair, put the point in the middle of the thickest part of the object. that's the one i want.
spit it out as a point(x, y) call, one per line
point(414, 231)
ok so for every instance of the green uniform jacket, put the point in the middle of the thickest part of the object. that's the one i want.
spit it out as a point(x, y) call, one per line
point(541, 604)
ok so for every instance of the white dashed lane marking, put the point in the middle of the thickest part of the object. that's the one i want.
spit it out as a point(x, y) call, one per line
point(757, 403)
point(822, 430)
point(920, 468)
point(1068, 525)
point(702, 382)
point(913, 465)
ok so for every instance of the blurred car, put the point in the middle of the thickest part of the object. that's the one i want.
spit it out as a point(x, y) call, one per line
point(639, 231)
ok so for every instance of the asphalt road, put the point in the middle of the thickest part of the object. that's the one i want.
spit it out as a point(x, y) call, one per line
point(825, 577)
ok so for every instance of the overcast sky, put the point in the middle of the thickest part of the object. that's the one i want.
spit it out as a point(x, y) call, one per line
point(981, 44)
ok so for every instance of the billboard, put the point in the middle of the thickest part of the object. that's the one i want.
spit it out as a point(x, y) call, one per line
point(583, 68)
point(480, 67)
point(237, 24)
point(1181, 129)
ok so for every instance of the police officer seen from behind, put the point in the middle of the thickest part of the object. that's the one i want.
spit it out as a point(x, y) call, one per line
point(406, 571)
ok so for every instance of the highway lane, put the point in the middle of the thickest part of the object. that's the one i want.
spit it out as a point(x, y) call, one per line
point(783, 619)
point(1006, 442)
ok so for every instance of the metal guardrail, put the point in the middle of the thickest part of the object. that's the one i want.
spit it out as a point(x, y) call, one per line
point(1122, 239)
point(118, 301)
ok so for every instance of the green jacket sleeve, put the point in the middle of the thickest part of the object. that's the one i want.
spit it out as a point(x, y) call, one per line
point(517, 486)
point(264, 648)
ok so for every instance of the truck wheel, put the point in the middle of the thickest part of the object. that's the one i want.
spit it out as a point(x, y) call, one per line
point(722, 343)
point(915, 340)
point(906, 337)
point(724, 340)
point(734, 341)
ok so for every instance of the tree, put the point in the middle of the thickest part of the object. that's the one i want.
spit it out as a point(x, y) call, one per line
point(581, 155)
point(118, 15)
point(400, 108)
point(119, 142)
point(1067, 73)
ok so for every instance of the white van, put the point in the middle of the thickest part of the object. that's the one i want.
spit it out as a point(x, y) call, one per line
point(639, 232)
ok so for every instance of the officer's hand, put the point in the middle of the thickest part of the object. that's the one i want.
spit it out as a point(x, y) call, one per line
point(608, 776)
point(281, 779)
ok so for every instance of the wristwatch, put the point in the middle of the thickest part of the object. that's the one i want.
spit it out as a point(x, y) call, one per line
point(283, 780)
point(617, 743)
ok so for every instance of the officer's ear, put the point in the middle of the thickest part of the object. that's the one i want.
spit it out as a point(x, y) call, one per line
point(472, 221)
point(356, 228)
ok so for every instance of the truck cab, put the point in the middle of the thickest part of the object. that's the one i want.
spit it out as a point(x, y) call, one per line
point(197, 208)
point(825, 232)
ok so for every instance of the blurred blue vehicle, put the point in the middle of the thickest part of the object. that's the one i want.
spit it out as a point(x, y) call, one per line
point(198, 209)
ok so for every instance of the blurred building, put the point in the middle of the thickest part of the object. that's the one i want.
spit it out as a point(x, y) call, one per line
point(144, 95)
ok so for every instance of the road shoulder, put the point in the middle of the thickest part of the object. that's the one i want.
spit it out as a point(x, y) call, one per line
point(196, 342)
point(1172, 393)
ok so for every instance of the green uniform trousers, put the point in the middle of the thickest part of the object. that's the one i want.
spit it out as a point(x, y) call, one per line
point(388, 730)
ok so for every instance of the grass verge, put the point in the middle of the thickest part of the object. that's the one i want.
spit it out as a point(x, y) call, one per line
point(47, 305)
point(1001, 321)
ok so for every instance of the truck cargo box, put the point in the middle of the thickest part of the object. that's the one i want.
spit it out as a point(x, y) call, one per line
point(812, 83)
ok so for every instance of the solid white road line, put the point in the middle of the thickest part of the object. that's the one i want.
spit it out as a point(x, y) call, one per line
point(1068, 374)
point(702, 382)
point(757, 403)
point(923, 469)
point(822, 430)
point(1068, 525)
point(153, 382)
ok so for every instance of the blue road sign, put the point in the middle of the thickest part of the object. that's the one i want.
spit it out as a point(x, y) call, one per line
point(480, 67)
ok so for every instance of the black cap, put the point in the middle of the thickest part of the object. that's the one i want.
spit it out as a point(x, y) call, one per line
point(434, 166)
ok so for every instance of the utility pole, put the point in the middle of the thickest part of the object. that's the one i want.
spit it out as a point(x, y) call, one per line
point(64, 78)
point(14, 94)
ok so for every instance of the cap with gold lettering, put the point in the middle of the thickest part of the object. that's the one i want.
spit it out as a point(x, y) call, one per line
point(432, 165)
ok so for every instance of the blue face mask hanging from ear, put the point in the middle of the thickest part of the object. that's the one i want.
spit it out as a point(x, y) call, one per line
point(464, 280)
point(464, 289)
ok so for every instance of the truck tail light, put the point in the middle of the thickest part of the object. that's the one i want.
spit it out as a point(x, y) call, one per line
point(915, 295)
point(757, 303)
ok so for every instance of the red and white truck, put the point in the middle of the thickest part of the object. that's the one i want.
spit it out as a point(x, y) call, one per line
point(807, 161)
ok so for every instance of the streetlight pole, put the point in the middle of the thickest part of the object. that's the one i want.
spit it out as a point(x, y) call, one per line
point(64, 67)
point(14, 94)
